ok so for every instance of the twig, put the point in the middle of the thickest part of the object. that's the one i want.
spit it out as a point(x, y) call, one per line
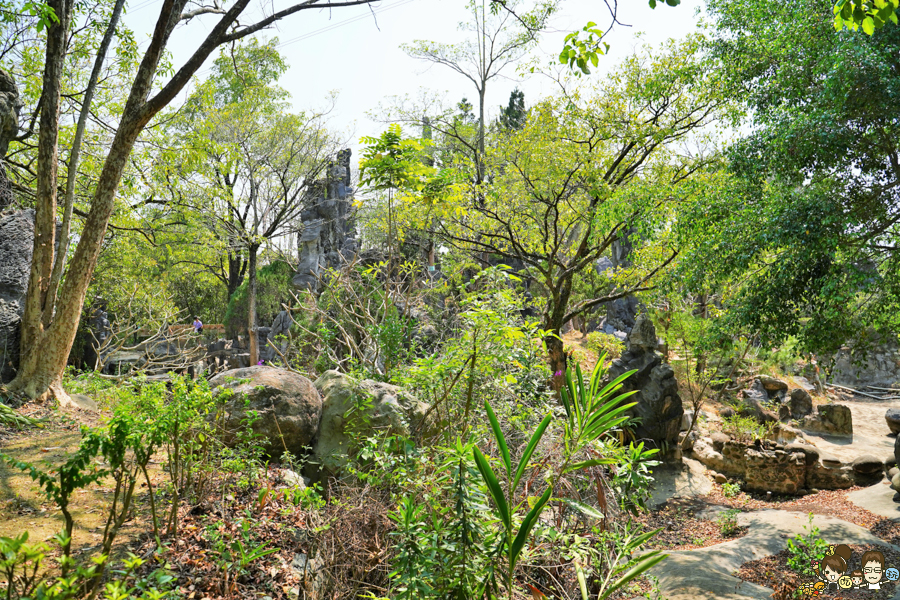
point(849, 389)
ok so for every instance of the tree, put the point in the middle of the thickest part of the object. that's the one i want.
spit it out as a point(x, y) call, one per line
point(260, 164)
point(49, 324)
point(498, 39)
point(811, 208)
point(513, 115)
point(587, 167)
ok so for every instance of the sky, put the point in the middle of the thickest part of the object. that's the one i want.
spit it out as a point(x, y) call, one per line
point(356, 55)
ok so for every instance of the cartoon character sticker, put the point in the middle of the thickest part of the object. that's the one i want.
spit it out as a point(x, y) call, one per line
point(834, 575)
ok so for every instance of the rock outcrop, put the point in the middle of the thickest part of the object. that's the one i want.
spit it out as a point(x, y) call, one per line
point(658, 403)
point(16, 246)
point(288, 406)
point(328, 237)
point(353, 410)
point(830, 418)
point(785, 469)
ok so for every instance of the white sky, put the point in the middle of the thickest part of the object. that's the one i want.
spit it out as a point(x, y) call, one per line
point(346, 52)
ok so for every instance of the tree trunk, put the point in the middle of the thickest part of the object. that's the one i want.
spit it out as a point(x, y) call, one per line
point(45, 350)
point(252, 329)
point(556, 355)
point(479, 162)
point(236, 268)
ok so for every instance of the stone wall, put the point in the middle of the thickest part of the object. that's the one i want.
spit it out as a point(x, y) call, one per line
point(328, 236)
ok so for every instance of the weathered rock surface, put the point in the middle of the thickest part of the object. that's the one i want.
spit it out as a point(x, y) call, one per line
point(771, 384)
point(892, 416)
point(770, 467)
point(16, 245)
point(328, 236)
point(288, 405)
point(658, 403)
point(352, 410)
point(881, 366)
point(800, 403)
point(830, 418)
point(10, 105)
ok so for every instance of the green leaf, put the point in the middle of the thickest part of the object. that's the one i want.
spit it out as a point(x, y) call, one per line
point(490, 479)
point(585, 509)
point(529, 450)
point(868, 25)
point(646, 562)
point(501, 442)
point(527, 524)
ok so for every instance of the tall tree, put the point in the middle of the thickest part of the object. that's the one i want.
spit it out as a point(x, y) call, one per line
point(587, 167)
point(814, 208)
point(495, 40)
point(48, 327)
point(513, 115)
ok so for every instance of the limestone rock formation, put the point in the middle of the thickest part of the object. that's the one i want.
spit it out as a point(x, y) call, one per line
point(830, 418)
point(288, 405)
point(892, 416)
point(359, 408)
point(328, 236)
point(16, 246)
point(10, 105)
point(658, 403)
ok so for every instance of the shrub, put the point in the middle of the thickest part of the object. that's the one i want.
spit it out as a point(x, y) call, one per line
point(746, 429)
point(727, 522)
point(803, 549)
point(730, 490)
point(603, 343)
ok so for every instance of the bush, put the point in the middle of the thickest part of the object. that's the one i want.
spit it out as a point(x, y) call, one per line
point(804, 549)
point(730, 490)
point(273, 283)
point(603, 343)
point(727, 522)
point(746, 429)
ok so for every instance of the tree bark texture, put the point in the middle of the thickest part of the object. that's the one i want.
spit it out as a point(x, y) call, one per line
point(252, 328)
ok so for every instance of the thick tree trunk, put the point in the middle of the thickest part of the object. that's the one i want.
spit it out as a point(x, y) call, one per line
point(45, 350)
point(556, 356)
point(252, 328)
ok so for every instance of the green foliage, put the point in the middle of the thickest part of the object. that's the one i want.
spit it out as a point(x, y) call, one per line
point(514, 115)
point(731, 490)
point(868, 16)
point(633, 477)
point(806, 187)
point(25, 574)
point(272, 292)
point(603, 344)
point(746, 429)
point(804, 548)
point(727, 522)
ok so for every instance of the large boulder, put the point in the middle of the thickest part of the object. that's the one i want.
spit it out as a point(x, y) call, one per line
point(800, 403)
point(831, 418)
point(288, 406)
point(16, 246)
point(772, 384)
point(892, 416)
point(658, 403)
point(353, 410)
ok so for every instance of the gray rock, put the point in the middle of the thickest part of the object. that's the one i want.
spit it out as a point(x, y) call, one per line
point(294, 479)
point(892, 416)
point(288, 406)
point(895, 483)
point(897, 451)
point(838, 415)
point(830, 461)
point(771, 384)
point(892, 472)
point(720, 479)
point(351, 408)
point(810, 452)
point(16, 245)
point(800, 403)
point(10, 106)
point(658, 404)
point(328, 235)
point(719, 440)
point(867, 464)
point(84, 402)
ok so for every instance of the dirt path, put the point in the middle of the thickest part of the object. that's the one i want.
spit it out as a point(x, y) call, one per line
point(24, 508)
